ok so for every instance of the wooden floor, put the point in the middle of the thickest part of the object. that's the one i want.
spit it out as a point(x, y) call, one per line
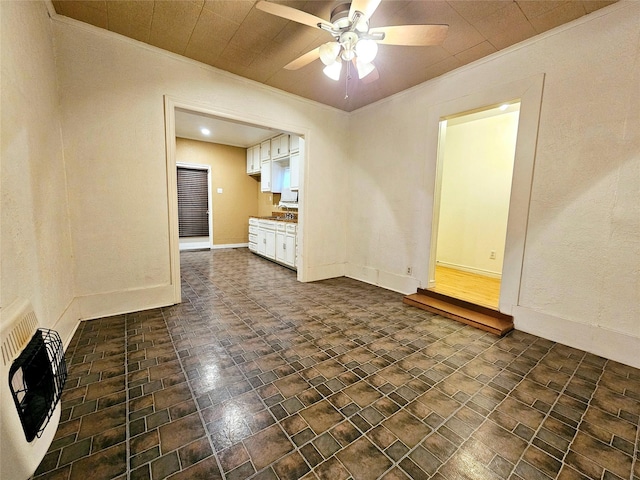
point(470, 287)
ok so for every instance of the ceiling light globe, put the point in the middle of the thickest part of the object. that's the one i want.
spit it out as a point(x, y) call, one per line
point(328, 52)
point(366, 50)
point(333, 71)
point(364, 69)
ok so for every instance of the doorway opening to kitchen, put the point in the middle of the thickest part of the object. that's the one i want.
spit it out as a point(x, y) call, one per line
point(225, 131)
point(476, 153)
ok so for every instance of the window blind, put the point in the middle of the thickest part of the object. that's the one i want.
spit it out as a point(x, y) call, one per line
point(193, 202)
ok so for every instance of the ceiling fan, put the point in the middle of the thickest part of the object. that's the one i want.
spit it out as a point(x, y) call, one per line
point(354, 41)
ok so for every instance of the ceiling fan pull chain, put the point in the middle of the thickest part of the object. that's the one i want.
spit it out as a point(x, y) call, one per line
point(346, 81)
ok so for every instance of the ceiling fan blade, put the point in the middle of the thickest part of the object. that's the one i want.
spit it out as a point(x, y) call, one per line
point(291, 14)
point(367, 7)
point(414, 35)
point(303, 60)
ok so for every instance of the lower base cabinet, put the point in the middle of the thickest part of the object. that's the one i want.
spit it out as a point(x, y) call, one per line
point(274, 240)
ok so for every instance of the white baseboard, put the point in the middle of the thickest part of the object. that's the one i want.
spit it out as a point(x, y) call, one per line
point(117, 303)
point(230, 245)
point(68, 323)
point(464, 268)
point(195, 246)
point(208, 246)
point(600, 341)
point(390, 281)
point(321, 272)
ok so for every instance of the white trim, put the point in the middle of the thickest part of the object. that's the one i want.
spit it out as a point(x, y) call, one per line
point(68, 323)
point(230, 245)
point(117, 303)
point(170, 105)
point(437, 196)
point(204, 245)
point(185, 245)
point(172, 198)
point(464, 268)
point(529, 92)
point(618, 346)
point(404, 284)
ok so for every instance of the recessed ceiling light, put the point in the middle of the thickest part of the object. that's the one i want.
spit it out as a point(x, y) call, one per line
point(205, 131)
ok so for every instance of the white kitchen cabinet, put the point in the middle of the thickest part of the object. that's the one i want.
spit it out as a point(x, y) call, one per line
point(261, 244)
point(265, 176)
point(294, 143)
point(265, 150)
point(253, 234)
point(294, 171)
point(253, 160)
point(270, 244)
point(275, 240)
point(280, 146)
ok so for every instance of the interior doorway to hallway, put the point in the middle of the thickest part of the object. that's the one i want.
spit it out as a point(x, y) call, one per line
point(476, 153)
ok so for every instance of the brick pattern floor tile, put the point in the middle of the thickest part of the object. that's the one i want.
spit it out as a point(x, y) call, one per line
point(330, 380)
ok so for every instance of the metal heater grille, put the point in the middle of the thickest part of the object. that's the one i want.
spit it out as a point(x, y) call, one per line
point(36, 378)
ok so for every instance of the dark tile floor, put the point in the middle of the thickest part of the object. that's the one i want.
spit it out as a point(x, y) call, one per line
point(258, 376)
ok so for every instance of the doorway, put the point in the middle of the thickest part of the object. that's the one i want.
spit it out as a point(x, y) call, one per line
point(476, 152)
point(195, 222)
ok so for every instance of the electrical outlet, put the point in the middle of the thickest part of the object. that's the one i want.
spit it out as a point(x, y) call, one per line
point(409, 270)
point(492, 255)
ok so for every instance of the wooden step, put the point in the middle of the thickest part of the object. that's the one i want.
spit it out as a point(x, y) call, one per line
point(475, 315)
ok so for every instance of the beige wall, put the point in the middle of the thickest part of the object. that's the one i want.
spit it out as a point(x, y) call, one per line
point(239, 197)
point(476, 186)
point(35, 241)
point(580, 278)
point(113, 123)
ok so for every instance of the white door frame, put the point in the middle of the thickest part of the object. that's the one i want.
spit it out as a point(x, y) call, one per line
point(529, 92)
point(209, 244)
point(170, 105)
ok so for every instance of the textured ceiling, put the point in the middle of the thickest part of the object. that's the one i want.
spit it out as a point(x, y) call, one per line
point(233, 35)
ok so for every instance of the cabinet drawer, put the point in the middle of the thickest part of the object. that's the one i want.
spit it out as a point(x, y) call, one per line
point(253, 238)
point(253, 229)
point(253, 247)
point(253, 221)
point(281, 227)
point(267, 225)
point(292, 228)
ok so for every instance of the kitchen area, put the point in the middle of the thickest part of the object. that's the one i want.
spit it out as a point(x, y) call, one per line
point(250, 204)
point(277, 161)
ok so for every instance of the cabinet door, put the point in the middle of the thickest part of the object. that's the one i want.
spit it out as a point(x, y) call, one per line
point(250, 160)
point(280, 146)
point(270, 244)
point(294, 143)
point(294, 171)
point(265, 176)
point(290, 250)
point(256, 159)
point(265, 150)
point(281, 247)
point(262, 242)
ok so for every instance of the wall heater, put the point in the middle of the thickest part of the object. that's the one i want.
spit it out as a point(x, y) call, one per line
point(32, 372)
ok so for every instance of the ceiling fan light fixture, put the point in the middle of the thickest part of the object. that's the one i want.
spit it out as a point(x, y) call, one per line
point(348, 54)
point(333, 71)
point(366, 50)
point(364, 69)
point(329, 52)
point(363, 25)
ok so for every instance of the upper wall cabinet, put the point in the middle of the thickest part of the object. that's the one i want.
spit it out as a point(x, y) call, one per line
point(280, 146)
point(294, 143)
point(253, 160)
point(265, 150)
